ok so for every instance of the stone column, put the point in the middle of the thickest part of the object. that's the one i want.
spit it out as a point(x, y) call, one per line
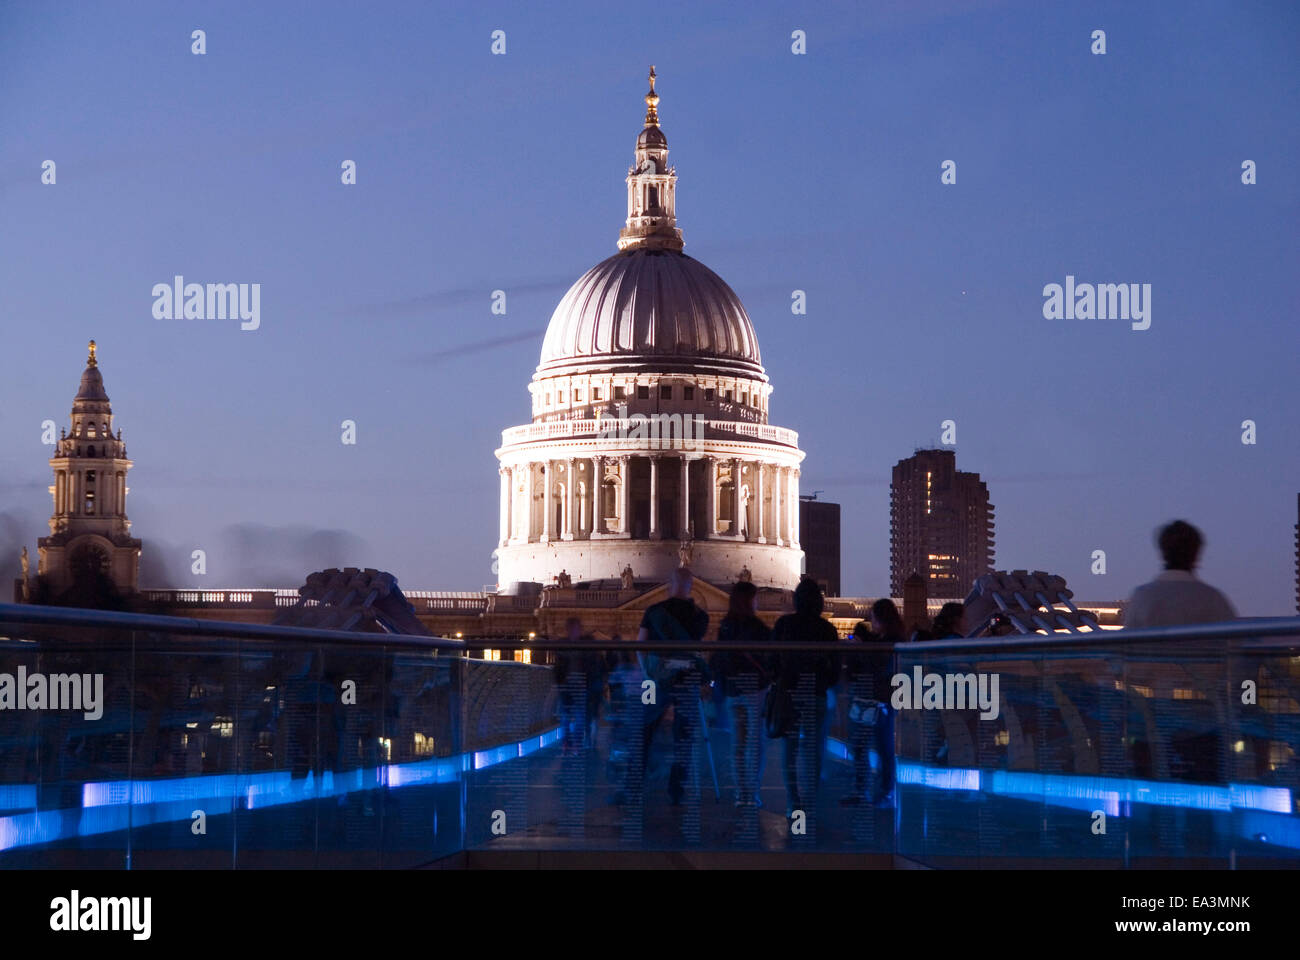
point(570, 498)
point(738, 504)
point(686, 499)
point(548, 505)
point(762, 507)
point(598, 496)
point(794, 506)
point(584, 527)
point(711, 501)
point(504, 471)
point(655, 532)
point(789, 508)
point(776, 506)
point(625, 493)
point(511, 516)
point(518, 512)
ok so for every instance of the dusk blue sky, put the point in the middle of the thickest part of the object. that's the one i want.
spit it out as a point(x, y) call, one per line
point(818, 172)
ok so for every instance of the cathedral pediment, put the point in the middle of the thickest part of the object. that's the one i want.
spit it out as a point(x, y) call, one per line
point(706, 595)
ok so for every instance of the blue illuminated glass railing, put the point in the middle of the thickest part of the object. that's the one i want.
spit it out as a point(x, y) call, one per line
point(226, 745)
point(1175, 746)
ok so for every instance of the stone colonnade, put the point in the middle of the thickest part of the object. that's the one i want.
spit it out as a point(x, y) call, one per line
point(641, 496)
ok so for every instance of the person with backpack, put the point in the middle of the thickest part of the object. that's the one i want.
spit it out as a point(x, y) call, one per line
point(796, 703)
point(677, 674)
point(742, 675)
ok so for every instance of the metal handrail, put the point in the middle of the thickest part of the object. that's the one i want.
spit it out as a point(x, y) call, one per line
point(32, 615)
point(1227, 630)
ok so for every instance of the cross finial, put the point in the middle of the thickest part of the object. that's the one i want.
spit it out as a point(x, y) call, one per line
point(90, 361)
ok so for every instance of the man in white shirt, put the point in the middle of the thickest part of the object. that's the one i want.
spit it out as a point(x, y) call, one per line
point(1177, 597)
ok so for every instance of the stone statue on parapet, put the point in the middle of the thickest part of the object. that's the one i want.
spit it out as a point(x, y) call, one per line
point(26, 567)
point(626, 575)
point(746, 575)
point(685, 552)
point(563, 580)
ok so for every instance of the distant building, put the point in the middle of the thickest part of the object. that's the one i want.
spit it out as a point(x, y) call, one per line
point(90, 543)
point(819, 530)
point(941, 525)
point(916, 613)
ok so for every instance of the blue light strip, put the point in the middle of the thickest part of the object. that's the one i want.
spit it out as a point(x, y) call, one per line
point(18, 796)
point(1069, 790)
point(110, 806)
point(1072, 790)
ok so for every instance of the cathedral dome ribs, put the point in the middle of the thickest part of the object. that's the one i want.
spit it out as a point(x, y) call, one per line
point(650, 307)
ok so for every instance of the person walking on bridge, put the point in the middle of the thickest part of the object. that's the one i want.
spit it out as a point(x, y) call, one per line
point(677, 674)
point(1177, 596)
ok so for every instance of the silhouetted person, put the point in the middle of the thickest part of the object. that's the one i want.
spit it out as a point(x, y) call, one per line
point(869, 675)
point(742, 676)
point(886, 621)
point(807, 677)
point(624, 674)
point(580, 675)
point(950, 624)
point(677, 674)
point(868, 665)
point(1177, 596)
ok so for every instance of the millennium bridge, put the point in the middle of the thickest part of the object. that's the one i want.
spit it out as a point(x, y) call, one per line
point(133, 741)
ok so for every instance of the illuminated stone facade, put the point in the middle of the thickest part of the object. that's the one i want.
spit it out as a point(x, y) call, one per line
point(649, 445)
point(89, 531)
